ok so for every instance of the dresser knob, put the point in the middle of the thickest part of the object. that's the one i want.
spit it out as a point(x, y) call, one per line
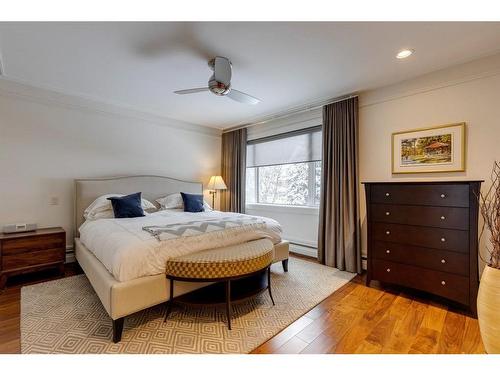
point(388, 251)
point(443, 239)
point(388, 270)
point(387, 232)
point(443, 282)
point(443, 195)
point(387, 194)
point(442, 218)
point(387, 213)
point(443, 261)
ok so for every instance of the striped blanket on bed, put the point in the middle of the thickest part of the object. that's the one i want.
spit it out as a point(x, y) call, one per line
point(198, 227)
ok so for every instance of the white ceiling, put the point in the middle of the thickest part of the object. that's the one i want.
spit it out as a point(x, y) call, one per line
point(284, 64)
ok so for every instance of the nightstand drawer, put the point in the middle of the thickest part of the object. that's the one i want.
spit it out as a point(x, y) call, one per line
point(443, 284)
point(440, 217)
point(26, 252)
point(30, 244)
point(439, 260)
point(40, 257)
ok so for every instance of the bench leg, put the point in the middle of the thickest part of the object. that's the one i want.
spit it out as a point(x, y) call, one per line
point(284, 262)
point(170, 300)
point(269, 284)
point(228, 303)
point(117, 329)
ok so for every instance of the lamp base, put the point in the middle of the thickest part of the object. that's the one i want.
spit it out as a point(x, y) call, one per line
point(213, 192)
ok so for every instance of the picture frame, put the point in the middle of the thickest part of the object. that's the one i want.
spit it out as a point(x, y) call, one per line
point(436, 149)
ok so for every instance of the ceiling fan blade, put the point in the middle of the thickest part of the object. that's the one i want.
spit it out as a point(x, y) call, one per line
point(191, 91)
point(242, 97)
point(222, 70)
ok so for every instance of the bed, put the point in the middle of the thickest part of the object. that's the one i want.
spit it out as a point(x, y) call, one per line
point(124, 289)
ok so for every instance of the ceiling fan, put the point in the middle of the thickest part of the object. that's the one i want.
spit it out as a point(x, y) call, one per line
point(220, 83)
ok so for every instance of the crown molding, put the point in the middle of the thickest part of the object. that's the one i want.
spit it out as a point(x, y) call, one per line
point(14, 88)
point(452, 76)
point(289, 112)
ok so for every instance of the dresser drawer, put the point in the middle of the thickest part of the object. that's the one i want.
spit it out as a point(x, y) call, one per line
point(29, 244)
point(437, 238)
point(40, 257)
point(428, 195)
point(439, 260)
point(441, 217)
point(443, 284)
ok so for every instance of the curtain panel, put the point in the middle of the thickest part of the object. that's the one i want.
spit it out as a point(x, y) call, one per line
point(339, 227)
point(233, 169)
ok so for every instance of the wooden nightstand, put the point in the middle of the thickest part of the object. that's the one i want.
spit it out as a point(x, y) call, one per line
point(31, 251)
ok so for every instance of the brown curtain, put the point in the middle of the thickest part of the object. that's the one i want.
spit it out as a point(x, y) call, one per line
point(339, 229)
point(233, 168)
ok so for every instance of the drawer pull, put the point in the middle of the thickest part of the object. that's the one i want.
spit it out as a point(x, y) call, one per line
point(388, 270)
point(387, 232)
point(387, 213)
point(443, 282)
point(443, 239)
point(443, 195)
point(443, 261)
point(388, 251)
point(387, 194)
point(442, 218)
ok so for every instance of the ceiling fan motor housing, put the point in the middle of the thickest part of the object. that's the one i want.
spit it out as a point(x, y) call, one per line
point(218, 88)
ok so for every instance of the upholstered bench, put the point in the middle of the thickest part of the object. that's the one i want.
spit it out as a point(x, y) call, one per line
point(222, 265)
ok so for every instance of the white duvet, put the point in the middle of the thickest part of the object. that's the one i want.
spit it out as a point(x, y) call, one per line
point(128, 252)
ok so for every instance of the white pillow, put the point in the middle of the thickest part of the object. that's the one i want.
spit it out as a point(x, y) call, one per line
point(171, 201)
point(101, 208)
point(174, 201)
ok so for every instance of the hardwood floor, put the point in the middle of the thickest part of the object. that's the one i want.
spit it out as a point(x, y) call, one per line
point(354, 319)
point(358, 319)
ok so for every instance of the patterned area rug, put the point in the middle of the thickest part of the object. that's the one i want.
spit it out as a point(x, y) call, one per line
point(66, 316)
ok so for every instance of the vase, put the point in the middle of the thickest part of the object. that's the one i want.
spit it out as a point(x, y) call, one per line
point(488, 309)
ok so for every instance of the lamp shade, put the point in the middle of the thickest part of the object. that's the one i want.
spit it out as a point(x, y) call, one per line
point(216, 183)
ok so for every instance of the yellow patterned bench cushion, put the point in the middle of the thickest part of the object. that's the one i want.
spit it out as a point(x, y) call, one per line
point(229, 261)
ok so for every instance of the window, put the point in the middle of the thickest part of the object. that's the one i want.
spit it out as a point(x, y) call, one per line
point(285, 169)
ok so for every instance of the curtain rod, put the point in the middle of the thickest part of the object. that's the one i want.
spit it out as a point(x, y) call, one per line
point(292, 112)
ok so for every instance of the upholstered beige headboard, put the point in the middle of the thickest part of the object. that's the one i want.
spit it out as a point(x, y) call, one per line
point(152, 187)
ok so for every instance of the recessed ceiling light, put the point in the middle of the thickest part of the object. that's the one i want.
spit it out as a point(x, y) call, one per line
point(404, 53)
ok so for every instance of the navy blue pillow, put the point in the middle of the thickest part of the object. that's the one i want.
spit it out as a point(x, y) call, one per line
point(193, 202)
point(127, 206)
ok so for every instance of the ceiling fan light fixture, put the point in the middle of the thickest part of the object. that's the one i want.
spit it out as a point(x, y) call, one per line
point(404, 53)
point(218, 88)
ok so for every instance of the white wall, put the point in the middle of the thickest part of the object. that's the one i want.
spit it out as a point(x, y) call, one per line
point(467, 93)
point(300, 224)
point(48, 139)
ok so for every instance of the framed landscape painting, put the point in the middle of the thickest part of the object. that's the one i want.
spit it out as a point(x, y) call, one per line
point(437, 149)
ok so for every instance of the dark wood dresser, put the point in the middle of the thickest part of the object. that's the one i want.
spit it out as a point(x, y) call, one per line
point(424, 235)
point(31, 251)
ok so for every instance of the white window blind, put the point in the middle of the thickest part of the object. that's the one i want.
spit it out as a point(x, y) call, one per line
point(295, 147)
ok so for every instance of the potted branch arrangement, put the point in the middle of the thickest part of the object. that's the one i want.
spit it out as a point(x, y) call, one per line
point(488, 299)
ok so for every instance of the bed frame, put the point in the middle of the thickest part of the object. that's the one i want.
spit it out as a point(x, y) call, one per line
point(124, 298)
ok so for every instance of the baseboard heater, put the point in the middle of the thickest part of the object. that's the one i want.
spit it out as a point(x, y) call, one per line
point(303, 249)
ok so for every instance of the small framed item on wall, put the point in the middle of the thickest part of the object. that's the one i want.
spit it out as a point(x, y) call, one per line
point(429, 150)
